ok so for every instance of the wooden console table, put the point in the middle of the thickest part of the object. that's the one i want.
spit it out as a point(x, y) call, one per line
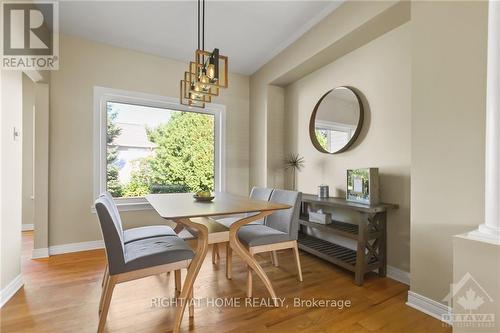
point(370, 235)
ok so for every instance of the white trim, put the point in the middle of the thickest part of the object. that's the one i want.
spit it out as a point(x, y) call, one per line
point(102, 95)
point(40, 253)
point(76, 247)
point(428, 306)
point(484, 233)
point(28, 227)
point(10, 290)
point(398, 275)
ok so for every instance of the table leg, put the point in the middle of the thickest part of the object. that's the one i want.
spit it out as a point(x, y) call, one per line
point(245, 254)
point(359, 272)
point(229, 261)
point(382, 271)
point(193, 269)
point(178, 228)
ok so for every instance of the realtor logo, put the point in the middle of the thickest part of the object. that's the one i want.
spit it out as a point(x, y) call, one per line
point(471, 298)
point(30, 38)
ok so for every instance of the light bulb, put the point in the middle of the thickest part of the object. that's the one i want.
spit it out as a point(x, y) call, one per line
point(211, 71)
point(204, 79)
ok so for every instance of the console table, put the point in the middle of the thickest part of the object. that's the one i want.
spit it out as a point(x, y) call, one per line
point(370, 235)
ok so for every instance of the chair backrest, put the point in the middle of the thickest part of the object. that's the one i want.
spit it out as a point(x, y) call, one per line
point(112, 233)
point(116, 213)
point(286, 220)
point(261, 193)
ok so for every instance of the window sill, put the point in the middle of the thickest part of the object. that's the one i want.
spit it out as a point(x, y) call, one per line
point(129, 206)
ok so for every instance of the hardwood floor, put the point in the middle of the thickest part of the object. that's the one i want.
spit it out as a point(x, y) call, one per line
point(61, 294)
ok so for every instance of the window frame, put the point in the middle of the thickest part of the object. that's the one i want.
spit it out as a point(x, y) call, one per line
point(103, 95)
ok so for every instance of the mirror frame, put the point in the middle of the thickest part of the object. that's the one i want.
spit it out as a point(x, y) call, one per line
point(312, 123)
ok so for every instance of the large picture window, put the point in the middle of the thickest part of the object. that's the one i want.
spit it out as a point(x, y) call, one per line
point(152, 144)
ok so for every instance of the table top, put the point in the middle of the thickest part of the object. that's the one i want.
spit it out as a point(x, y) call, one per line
point(183, 205)
point(343, 203)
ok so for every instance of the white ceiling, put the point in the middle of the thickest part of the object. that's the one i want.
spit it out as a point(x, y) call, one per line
point(250, 33)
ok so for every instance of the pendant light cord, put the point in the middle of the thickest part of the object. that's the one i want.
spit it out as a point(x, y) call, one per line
point(198, 24)
point(201, 29)
point(203, 24)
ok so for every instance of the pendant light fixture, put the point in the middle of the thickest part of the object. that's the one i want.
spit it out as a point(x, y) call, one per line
point(207, 74)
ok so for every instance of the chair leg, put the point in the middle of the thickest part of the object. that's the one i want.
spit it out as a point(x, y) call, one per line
point(191, 304)
point(108, 293)
point(249, 282)
point(297, 259)
point(103, 293)
point(229, 260)
point(274, 258)
point(105, 275)
point(178, 283)
point(215, 253)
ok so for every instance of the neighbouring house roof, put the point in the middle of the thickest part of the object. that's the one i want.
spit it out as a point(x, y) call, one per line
point(134, 136)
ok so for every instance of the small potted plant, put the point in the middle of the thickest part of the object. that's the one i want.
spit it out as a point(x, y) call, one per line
point(295, 162)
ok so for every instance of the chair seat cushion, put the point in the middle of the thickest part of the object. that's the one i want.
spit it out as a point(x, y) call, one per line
point(156, 251)
point(253, 235)
point(228, 221)
point(135, 234)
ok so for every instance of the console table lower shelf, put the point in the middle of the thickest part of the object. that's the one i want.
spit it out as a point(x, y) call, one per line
point(336, 254)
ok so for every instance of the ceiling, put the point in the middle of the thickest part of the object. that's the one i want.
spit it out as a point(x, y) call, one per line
point(250, 33)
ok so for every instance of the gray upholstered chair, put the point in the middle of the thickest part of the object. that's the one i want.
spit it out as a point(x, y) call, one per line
point(136, 259)
point(257, 193)
point(279, 231)
point(135, 234)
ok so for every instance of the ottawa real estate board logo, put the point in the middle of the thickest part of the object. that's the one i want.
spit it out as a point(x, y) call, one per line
point(473, 305)
point(30, 35)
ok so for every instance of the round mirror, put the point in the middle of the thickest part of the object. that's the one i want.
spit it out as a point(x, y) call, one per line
point(336, 120)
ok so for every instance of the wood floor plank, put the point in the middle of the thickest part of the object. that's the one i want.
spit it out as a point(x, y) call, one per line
point(61, 294)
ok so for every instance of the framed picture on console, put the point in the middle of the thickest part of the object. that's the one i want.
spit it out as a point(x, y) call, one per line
point(363, 186)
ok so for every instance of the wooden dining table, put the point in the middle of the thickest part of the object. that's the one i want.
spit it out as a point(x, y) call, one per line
point(186, 212)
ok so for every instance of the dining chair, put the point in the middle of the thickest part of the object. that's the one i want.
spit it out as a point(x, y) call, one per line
point(136, 259)
point(257, 193)
point(138, 233)
point(279, 231)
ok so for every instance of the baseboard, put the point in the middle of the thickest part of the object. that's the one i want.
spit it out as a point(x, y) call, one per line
point(28, 227)
point(76, 247)
point(10, 290)
point(40, 253)
point(428, 306)
point(398, 275)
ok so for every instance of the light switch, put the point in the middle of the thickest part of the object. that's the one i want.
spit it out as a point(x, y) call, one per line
point(15, 134)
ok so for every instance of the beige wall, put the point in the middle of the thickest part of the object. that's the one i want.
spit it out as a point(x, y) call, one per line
point(86, 64)
point(41, 166)
point(11, 176)
point(28, 119)
point(381, 70)
point(275, 136)
point(448, 126)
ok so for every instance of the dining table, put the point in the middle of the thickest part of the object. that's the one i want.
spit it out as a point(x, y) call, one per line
point(197, 216)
